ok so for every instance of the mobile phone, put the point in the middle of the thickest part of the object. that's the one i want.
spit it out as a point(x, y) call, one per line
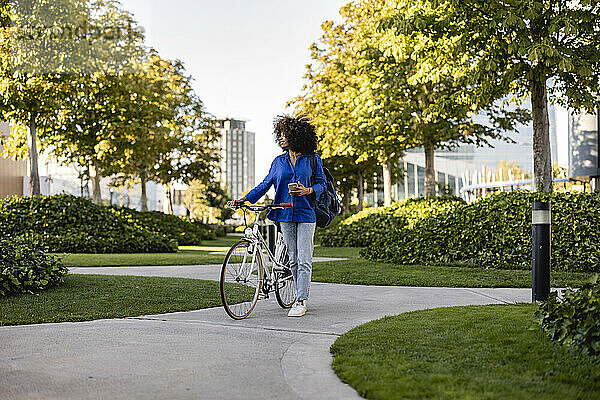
point(293, 186)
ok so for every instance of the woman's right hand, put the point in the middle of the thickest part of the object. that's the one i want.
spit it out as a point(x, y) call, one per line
point(235, 203)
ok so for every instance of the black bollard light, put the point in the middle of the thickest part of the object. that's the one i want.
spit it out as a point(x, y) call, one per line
point(540, 251)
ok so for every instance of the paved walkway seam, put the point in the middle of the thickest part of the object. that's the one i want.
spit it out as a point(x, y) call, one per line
point(265, 328)
point(485, 295)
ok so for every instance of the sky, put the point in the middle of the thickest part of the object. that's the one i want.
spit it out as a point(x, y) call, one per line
point(247, 58)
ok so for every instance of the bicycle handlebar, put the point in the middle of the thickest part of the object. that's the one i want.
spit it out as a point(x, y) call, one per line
point(260, 208)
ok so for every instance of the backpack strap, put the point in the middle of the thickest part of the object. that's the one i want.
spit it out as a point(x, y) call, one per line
point(313, 168)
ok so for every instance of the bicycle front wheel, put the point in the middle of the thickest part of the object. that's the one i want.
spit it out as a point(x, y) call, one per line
point(241, 278)
point(285, 290)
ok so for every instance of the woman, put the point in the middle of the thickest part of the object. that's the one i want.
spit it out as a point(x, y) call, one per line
point(297, 137)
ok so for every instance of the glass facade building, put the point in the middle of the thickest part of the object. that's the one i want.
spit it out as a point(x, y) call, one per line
point(468, 164)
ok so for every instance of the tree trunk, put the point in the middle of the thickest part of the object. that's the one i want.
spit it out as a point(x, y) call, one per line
point(143, 198)
point(96, 192)
point(387, 182)
point(361, 189)
point(429, 171)
point(34, 175)
point(542, 164)
point(346, 202)
point(169, 199)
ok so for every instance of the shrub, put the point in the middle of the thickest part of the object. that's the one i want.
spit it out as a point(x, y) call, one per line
point(574, 320)
point(496, 232)
point(322, 233)
point(371, 224)
point(182, 229)
point(67, 224)
point(25, 268)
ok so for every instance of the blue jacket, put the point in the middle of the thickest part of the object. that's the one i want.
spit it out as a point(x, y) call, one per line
point(282, 173)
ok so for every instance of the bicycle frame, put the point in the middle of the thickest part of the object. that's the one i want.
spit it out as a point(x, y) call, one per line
point(257, 240)
point(248, 268)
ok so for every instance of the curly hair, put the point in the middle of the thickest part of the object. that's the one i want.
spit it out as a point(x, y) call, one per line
point(299, 132)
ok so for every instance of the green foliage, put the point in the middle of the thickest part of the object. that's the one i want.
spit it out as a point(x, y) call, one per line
point(495, 232)
point(322, 233)
point(371, 224)
point(69, 224)
point(574, 319)
point(185, 230)
point(207, 201)
point(473, 352)
point(497, 49)
point(365, 106)
point(25, 268)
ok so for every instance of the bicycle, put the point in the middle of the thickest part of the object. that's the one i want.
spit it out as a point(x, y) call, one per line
point(245, 279)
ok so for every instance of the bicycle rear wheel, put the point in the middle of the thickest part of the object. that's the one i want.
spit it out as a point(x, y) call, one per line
point(285, 290)
point(241, 278)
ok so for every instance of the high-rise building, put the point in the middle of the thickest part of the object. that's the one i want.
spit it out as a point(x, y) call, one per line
point(237, 156)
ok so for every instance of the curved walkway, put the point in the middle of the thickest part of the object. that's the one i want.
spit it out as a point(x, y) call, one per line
point(205, 355)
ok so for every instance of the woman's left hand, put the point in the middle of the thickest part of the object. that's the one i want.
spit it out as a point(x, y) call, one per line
point(301, 190)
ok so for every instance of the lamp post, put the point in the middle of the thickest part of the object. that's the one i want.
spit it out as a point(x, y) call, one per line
point(540, 251)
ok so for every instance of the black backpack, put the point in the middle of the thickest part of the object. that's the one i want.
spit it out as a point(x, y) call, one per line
point(328, 206)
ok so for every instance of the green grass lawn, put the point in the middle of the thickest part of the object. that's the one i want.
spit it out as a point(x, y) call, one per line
point(355, 270)
point(474, 352)
point(89, 297)
point(187, 255)
point(364, 272)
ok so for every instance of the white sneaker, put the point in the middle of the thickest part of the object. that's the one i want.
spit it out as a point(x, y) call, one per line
point(298, 309)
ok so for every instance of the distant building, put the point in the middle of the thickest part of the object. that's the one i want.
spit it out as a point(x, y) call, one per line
point(520, 152)
point(12, 173)
point(467, 164)
point(584, 145)
point(56, 178)
point(237, 156)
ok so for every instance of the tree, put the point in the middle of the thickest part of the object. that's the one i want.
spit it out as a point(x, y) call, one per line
point(100, 93)
point(430, 115)
point(497, 48)
point(360, 86)
point(207, 200)
point(168, 135)
point(349, 175)
point(333, 95)
point(35, 65)
point(60, 80)
point(87, 129)
point(194, 156)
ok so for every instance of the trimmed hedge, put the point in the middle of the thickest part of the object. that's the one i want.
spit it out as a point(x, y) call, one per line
point(69, 224)
point(496, 232)
point(322, 233)
point(185, 230)
point(25, 268)
point(574, 320)
point(371, 224)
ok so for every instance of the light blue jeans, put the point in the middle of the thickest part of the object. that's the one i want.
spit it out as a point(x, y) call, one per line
point(299, 239)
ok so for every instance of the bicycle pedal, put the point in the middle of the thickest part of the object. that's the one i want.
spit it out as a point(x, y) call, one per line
point(263, 296)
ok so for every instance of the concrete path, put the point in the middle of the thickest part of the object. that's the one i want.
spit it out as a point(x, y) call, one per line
point(204, 354)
